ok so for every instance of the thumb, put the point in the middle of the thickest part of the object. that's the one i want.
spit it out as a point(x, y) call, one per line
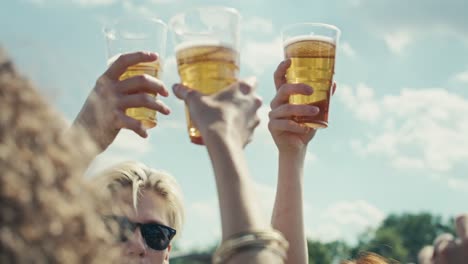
point(461, 224)
point(183, 92)
point(247, 85)
point(425, 255)
point(252, 81)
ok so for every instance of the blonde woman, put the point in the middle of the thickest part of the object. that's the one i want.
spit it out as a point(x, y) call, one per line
point(151, 210)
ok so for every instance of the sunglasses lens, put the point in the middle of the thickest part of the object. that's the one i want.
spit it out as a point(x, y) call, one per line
point(156, 236)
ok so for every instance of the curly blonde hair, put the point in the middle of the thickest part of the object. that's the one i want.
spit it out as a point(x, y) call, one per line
point(47, 214)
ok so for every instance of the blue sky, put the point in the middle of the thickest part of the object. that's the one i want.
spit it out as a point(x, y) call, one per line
point(398, 135)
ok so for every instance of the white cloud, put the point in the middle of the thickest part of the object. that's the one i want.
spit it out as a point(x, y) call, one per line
point(137, 9)
point(92, 3)
point(461, 77)
point(257, 25)
point(257, 56)
point(265, 197)
point(398, 41)
point(36, 2)
point(262, 134)
point(361, 101)
point(355, 3)
point(310, 157)
point(345, 220)
point(165, 1)
point(396, 17)
point(82, 3)
point(359, 213)
point(170, 73)
point(206, 213)
point(127, 146)
point(458, 184)
point(347, 50)
point(421, 129)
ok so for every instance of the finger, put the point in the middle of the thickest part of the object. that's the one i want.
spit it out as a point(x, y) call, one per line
point(125, 121)
point(142, 83)
point(257, 102)
point(334, 88)
point(288, 126)
point(282, 96)
point(441, 244)
point(286, 111)
point(142, 100)
point(280, 73)
point(425, 255)
point(119, 66)
point(184, 93)
point(461, 224)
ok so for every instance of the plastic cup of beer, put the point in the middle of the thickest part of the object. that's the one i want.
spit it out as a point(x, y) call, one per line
point(311, 47)
point(207, 42)
point(132, 34)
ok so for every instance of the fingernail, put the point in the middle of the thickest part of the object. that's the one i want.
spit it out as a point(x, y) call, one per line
point(314, 109)
point(245, 88)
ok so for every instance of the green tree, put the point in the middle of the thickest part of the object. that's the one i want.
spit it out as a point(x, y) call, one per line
point(402, 236)
point(385, 242)
point(326, 253)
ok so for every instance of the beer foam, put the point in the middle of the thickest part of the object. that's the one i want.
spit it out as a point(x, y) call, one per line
point(200, 43)
point(309, 38)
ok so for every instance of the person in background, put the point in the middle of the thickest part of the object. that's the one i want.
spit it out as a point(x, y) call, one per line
point(47, 212)
point(448, 249)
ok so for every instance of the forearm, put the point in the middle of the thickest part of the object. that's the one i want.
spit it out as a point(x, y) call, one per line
point(79, 127)
point(288, 216)
point(238, 211)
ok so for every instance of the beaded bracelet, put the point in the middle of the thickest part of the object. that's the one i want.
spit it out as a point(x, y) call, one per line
point(271, 240)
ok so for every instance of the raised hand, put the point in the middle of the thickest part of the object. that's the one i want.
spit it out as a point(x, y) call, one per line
point(230, 113)
point(103, 114)
point(288, 134)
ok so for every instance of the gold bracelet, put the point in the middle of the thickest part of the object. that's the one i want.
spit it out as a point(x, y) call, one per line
point(271, 240)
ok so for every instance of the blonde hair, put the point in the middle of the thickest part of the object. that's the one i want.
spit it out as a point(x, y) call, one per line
point(139, 177)
point(47, 215)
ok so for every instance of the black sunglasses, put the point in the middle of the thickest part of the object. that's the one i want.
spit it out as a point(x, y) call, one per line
point(156, 236)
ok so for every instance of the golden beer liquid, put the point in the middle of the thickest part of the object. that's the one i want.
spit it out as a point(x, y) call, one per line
point(207, 69)
point(312, 63)
point(146, 116)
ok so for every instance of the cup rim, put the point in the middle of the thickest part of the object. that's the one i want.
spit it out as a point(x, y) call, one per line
point(110, 25)
point(231, 10)
point(314, 24)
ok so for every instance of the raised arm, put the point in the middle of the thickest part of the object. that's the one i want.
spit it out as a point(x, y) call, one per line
point(226, 121)
point(291, 139)
point(103, 114)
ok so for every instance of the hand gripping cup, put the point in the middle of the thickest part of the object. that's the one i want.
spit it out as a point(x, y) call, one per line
point(207, 41)
point(311, 47)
